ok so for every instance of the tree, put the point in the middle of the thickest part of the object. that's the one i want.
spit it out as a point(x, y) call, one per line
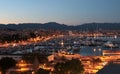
point(6, 63)
point(95, 61)
point(73, 66)
point(32, 35)
point(43, 71)
point(30, 58)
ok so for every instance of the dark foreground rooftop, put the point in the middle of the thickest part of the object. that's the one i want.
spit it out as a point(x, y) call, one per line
point(110, 69)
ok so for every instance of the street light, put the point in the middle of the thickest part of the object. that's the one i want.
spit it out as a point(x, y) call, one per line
point(62, 44)
point(100, 51)
point(94, 51)
point(115, 36)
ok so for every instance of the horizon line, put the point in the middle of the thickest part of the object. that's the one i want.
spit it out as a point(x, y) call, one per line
point(59, 23)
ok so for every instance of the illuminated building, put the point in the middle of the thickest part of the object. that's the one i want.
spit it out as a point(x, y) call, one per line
point(111, 52)
point(22, 68)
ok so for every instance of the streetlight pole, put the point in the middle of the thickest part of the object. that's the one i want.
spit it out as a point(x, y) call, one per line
point(94, 51)
point(100, 51)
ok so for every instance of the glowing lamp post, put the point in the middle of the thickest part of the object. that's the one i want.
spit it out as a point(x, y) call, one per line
point(94, 50)
point(100, 51)
point(62, 44)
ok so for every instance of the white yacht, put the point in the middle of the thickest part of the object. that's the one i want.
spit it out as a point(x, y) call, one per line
point(110, 44)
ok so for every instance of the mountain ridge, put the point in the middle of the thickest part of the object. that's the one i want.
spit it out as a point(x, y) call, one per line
point(57, 26)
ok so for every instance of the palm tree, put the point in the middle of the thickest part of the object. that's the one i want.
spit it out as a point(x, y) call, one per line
point(95, 61)
point(36, 59)
point(31, 57)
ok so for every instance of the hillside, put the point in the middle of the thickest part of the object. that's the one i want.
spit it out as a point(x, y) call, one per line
point(54, 25)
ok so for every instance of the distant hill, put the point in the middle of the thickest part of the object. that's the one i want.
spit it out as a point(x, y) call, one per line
point(54, 25)
point(99, 26)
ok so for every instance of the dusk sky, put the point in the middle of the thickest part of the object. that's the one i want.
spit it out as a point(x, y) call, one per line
point(71, 12)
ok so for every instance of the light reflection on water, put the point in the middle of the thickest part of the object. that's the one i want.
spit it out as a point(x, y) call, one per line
point(89, 50)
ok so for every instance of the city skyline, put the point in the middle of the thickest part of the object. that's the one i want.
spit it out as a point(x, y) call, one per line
point(71, 12)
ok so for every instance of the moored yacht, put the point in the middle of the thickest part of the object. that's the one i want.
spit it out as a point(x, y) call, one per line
point(109, 44)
